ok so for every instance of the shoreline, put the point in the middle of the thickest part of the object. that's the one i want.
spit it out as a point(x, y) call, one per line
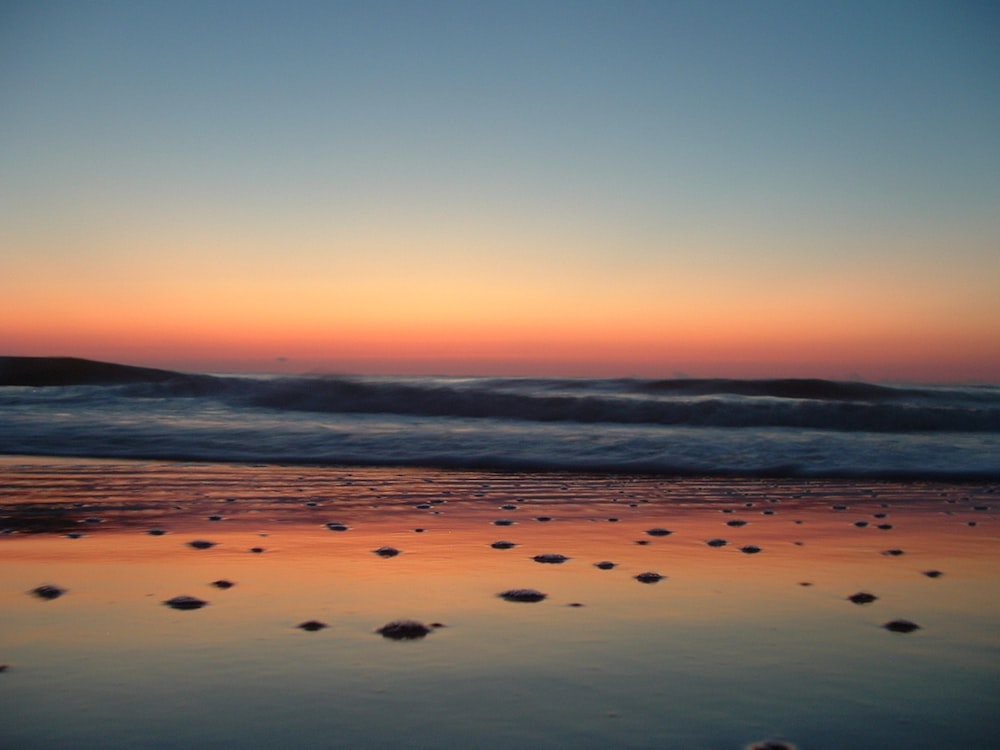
point(988, 478)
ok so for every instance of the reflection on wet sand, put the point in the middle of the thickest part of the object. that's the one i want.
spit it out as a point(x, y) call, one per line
point(726, 647)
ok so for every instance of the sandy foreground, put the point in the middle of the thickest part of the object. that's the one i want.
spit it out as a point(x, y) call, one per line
point(752, 637)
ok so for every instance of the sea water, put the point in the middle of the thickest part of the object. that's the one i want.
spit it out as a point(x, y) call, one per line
point(681, 426)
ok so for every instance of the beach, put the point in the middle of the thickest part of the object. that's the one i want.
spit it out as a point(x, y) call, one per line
point(753, 637)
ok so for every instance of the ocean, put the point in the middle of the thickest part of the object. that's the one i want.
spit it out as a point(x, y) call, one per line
point(710, 427)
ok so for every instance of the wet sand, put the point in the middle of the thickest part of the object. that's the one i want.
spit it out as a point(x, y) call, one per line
point(763, 637)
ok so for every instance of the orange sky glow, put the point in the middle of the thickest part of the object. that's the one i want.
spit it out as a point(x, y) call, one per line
point(650, 192)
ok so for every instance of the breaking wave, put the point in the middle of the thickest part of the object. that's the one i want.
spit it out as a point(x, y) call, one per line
point(709, 426)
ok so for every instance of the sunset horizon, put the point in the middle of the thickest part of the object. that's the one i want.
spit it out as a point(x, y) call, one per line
point(932, 373)
point(713, 189)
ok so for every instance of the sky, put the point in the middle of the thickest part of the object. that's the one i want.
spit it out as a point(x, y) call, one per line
point(717, 188)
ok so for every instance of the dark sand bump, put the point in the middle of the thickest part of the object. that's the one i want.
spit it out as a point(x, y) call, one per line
point(717, 542)
point(522, 595)
point(659, 532)
point(403, 630)
point(860, 524)
point(334, 526)
point(862, 597)
point(311, 626)
point(750, 549)
point(771, 745)
point(503, 522)
point(201, 544)
point(550, 557)
point(75, 535)
point(604, 565)
point(736, 522)
point(543, 519)
point(901, 626)
point(386, 551)
point(892, 552)
point(215, 518)
point(503, 545)
point(933, 573)
point(185, 602)
point(222, 583)
point(257, 550)
point(48, 592)
point(649, 577)
point(884, 526)
point(156, 532)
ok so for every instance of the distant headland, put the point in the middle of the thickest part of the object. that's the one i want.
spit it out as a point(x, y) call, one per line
point(60, 371)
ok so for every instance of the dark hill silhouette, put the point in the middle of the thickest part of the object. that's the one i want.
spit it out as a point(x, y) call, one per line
point(56, 371)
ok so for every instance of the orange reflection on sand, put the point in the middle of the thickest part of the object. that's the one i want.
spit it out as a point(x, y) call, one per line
point(818, 541)
point(723, 634)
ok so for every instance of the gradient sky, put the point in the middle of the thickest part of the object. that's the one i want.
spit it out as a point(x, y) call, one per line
point(744, 188)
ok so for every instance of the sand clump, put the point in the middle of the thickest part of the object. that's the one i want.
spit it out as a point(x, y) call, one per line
point(552, 558)
point(901, 626)
point(311, 626)
point(404, 630)
point(185, 602)
point(522, 595)
point(48, 592)
point(649, 577)
point(862, 597)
